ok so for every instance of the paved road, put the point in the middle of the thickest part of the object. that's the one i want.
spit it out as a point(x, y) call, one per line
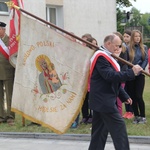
point(50, 144)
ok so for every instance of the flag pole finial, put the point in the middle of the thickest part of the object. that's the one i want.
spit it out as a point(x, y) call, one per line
point(11, 4)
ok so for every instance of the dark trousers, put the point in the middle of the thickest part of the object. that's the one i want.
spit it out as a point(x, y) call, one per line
point(135, 89)
point(112, 123)
point(128, 107)
point(86, 113)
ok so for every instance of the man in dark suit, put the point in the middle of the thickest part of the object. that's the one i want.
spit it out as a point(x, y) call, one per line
point(105, 82)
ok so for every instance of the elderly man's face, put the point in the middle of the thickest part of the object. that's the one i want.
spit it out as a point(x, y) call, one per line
point(115, 45)
point(117, 52)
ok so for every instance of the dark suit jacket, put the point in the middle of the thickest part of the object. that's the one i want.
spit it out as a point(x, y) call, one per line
point(105, 86)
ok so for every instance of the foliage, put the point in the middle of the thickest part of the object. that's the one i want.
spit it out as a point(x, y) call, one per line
point(136, 17)
point(124, 3)
point(120, 17)
point(144, 22)
point(147, 44)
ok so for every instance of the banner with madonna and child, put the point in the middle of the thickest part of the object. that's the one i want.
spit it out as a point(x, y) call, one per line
point(51, 76)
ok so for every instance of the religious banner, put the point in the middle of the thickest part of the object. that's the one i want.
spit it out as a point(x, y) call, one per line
point(51, 76)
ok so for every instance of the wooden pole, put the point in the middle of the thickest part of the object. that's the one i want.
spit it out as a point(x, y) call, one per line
point(23, 121)
point(128, 63)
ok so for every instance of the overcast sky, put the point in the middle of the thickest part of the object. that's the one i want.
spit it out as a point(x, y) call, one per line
point(142, 5)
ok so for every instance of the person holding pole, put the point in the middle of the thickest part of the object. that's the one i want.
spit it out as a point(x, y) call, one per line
point(105, 87)
point(6, 78)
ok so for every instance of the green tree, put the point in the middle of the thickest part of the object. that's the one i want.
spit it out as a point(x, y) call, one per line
point(124, 3)
point(120, 17)
point(120, 4)
point(145, 23)
point(136, 17)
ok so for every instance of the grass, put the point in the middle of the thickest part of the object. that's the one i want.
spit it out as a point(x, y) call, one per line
point(132, 129)
point(142, 129)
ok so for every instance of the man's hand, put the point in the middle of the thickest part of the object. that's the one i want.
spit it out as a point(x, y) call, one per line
point(129, 101)
point(137, 69)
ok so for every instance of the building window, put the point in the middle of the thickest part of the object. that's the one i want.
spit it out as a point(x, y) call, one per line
point(54, 14)
point(51, 15)
point(4, 10)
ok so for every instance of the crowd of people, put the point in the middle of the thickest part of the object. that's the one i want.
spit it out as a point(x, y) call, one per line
point(113, 83)
point(110, 84)
point(138, 55)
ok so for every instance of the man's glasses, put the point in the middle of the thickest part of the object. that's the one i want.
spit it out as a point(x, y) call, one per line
point(119, 46)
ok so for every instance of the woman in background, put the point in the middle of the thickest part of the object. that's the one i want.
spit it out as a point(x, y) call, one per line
point(128, 108)
point(137, 54)
point(86, 112)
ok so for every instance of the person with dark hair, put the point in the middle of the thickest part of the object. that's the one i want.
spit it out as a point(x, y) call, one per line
point(126, 37)
point(85, 37)
point(137, 54)
point(105, 87)
point(85, 108)
point(121, 52)
point(93, 41)
point(86, 112)
point(7, 73)
point(128, 108)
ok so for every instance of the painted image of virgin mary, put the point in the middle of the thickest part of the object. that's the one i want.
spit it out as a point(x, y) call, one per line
point(48, 77)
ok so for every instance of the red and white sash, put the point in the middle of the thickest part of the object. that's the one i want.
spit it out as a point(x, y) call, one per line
point(104, 53)
point(4, 49)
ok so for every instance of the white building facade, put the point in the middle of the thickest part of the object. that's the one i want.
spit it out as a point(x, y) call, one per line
point(97, 17)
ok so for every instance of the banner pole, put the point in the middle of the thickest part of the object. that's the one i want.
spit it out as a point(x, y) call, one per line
point(23, 121)
point(11, 4)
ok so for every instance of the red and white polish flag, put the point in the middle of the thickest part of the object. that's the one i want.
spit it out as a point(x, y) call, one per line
point(14, 34)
